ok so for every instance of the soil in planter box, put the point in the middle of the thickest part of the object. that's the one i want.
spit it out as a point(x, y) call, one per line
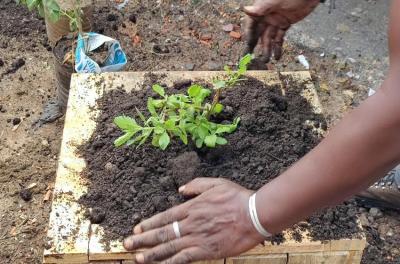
point(130, 184)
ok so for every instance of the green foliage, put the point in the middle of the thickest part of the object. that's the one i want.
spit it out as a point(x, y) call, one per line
point(183, 116)
point(234, 77)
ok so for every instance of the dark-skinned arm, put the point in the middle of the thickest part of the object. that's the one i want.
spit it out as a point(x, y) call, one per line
point(359, 150)
point(217, 224)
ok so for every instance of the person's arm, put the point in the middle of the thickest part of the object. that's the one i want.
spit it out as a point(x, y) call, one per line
point(217, 223)
point(359, 150)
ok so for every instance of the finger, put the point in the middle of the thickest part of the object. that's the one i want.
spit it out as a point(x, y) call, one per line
point(254, 29)
point(267, 42)
point(163, 251)
point(174, 214)
point(154, 237)
point(201, 185)
point(279, 39)
point(188, 255)
point(151, 238)
point(258, 10)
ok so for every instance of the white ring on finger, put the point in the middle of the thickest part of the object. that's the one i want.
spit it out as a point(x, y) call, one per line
point(177, 232)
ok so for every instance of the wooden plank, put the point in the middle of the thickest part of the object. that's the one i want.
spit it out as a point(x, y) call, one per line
point(77, 246)
point(338, 257)
point(348, 244)
point(270, 259)
point(355, 257)
point(99, 251)
point(68, 234)
point(106, 262)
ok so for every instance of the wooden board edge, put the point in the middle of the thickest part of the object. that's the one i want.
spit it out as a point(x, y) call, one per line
point(259, 259)
point(68, 232)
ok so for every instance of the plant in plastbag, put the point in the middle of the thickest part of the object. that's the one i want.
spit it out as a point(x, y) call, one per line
point(52, 10)
point(183, 116)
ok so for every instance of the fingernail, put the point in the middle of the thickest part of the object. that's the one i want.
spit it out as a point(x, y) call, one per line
point(182, 188)
point(140, 258)
point(137, 230)
point(127, 244)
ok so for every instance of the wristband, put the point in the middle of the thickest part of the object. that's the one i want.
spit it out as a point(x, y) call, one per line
point(254, 217)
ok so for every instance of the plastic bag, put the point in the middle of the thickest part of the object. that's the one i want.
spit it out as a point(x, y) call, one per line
point(115, 61)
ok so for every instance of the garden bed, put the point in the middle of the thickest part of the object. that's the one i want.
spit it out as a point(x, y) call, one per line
point(281, 122)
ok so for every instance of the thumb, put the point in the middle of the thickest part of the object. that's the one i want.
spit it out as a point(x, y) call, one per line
point(200, 185)
point(257, 10)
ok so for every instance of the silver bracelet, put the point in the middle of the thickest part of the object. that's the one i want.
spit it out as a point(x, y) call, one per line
point(254, 217)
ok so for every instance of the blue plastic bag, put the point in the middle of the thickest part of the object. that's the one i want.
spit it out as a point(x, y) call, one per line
point(115, 61)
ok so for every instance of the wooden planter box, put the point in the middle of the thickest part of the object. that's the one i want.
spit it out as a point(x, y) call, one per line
point(73, 239)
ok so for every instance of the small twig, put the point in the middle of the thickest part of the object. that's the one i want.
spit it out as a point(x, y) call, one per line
point(274, 157)
point(284, 84)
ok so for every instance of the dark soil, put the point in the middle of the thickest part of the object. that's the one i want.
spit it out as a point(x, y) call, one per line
point(20, 22)
point(130, 184)
point(62, 47)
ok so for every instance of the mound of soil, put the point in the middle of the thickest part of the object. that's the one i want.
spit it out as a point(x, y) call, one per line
point(129, 184)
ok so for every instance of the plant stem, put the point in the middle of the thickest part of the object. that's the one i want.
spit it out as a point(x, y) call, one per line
point(214, 103)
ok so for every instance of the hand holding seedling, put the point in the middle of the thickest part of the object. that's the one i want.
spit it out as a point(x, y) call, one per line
point(214, 225)
point(184, 116)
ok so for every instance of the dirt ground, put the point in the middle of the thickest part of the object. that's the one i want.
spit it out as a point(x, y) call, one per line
point(157, 35)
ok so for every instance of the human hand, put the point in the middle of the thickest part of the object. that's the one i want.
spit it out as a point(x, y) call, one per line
point(268, 21)
point(214, 225)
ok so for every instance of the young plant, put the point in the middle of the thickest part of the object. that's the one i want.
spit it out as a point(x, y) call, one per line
point(232, 78)
point(182, 115)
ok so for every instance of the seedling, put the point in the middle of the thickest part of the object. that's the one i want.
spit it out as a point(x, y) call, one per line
point(185, 116)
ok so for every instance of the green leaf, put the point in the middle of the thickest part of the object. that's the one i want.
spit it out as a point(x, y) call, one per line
point(159, 130)
point(218, 108)
point(245, 61)
point(219, 84)
point(156, 141)
point(164, 141)
point(40, 9)
point(191, 128)
point(146, 134)
point(199, 142)
point(225, 129)
point(204, 93)
point(202, 132)
point(174, 102)
point(221, 141)
point(210, 141)
point(183, 137)
point(151, 107)
point(123, 139)
point(53, 10)
point(194, 90)
point(126, 123)
point(159, 90)
point(170, 124)
point(31, 4)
